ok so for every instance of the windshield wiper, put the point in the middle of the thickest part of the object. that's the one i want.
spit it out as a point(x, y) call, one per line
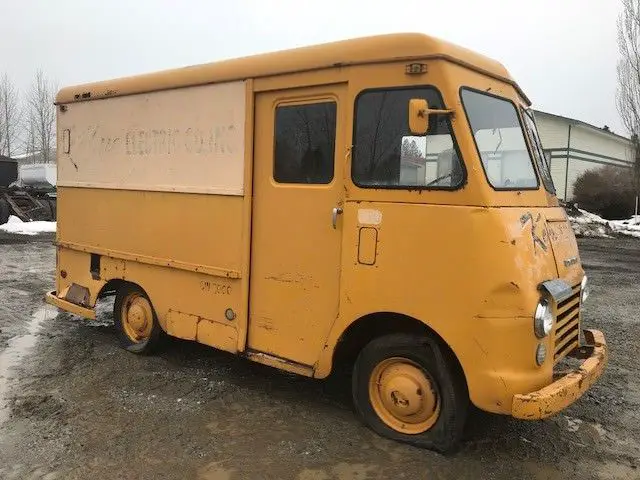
point(438, 179)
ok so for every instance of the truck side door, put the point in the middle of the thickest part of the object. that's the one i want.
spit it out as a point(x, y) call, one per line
point(299, 152)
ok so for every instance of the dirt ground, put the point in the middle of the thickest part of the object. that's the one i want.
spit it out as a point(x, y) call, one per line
point(74, 405)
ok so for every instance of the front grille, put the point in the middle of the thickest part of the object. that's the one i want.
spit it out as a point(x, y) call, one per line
point(567, 332)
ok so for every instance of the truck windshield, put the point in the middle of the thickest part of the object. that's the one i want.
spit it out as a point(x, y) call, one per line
point(500, 141)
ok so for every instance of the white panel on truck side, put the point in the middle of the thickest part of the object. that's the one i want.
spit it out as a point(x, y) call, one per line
point(185, 140)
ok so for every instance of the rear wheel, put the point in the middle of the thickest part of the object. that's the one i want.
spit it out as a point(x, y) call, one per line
point(136, 321)
point(4, 211)
point(406, 388)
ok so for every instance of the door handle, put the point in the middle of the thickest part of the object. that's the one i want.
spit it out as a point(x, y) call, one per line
point(334, 216)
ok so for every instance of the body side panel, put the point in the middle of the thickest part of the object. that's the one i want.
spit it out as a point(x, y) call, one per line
point(470, 274)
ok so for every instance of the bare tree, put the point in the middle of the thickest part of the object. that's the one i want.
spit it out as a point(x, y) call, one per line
point(9, 116)
point(628, 95)
point(41, 117)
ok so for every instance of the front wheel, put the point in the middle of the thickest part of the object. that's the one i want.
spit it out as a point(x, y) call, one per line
point(406, 388)
point(136, 321)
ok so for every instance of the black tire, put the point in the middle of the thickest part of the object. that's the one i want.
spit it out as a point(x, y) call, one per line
point(53, 207)
point(4, 211)
point(437, 365)
point(150, 343)
point(45, 213)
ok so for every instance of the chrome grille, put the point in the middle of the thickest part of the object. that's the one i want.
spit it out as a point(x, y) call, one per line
point(567, 333)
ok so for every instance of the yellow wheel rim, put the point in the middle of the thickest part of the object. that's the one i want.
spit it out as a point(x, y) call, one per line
point(137, 317)
point(403, 396)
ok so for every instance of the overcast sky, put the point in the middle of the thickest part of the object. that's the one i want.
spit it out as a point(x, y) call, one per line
point(562, 52)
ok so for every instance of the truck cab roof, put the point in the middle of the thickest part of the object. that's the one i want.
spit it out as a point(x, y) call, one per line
point(358, 51)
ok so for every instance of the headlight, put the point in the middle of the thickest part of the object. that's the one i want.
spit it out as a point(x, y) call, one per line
point(543, 320)
point(584, 289)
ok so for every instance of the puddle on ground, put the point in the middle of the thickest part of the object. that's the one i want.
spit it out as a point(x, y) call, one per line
point(586, 430)
point(353, 471)
point(214, 471)
point(542, 471)
point(17, 348)
point(308, 474)
point(98, 322)
point(104, 314)
point(591, 433)
point(617, 471)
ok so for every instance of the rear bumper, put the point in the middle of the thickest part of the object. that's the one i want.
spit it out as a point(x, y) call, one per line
point(52, 299)
point(567, 389)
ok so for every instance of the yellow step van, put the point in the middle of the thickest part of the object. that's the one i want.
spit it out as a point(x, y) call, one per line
point(381, 201)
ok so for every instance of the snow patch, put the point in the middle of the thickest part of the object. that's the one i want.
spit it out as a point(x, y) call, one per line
point(587, 224)
point(15, 225)
point(627, 227)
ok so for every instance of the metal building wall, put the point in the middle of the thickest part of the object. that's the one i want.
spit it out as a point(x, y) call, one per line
point(575, 147)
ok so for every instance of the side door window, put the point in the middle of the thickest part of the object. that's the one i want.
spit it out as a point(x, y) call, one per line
point(305, 137)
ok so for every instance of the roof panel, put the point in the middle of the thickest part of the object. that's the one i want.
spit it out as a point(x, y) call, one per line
point(380, 48)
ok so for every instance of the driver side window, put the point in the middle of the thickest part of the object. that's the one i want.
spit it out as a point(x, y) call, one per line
point(386, 154)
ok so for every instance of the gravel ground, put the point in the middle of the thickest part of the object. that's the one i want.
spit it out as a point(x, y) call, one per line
point(75, 405)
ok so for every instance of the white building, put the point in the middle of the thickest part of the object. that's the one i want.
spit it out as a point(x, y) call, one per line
point(572, 146)
point(575, 147)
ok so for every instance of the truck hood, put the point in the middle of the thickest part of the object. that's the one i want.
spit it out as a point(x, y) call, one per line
point(565, 248)
point(551, 250)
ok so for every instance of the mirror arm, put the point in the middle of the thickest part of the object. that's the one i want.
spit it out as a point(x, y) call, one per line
point(437, 112)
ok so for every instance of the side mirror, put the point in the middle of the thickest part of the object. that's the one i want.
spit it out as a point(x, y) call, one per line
point(418, 116)
point(419, 112)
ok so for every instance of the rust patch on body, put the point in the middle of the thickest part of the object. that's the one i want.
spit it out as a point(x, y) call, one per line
point(279, 279)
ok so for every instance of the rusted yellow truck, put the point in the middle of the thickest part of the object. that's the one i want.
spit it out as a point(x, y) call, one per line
point(380, 202)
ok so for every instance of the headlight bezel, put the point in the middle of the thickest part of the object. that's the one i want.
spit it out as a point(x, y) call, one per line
point(543, 319)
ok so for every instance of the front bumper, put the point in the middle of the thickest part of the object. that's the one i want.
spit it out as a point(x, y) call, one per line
point(569, 388)
point(52, 299)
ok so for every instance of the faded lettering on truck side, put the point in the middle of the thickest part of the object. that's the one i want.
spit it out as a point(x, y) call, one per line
point(191, 140)
point(171, 141)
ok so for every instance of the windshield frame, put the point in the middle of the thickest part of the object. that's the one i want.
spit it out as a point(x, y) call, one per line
point(524, 136)
point(536, 144)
